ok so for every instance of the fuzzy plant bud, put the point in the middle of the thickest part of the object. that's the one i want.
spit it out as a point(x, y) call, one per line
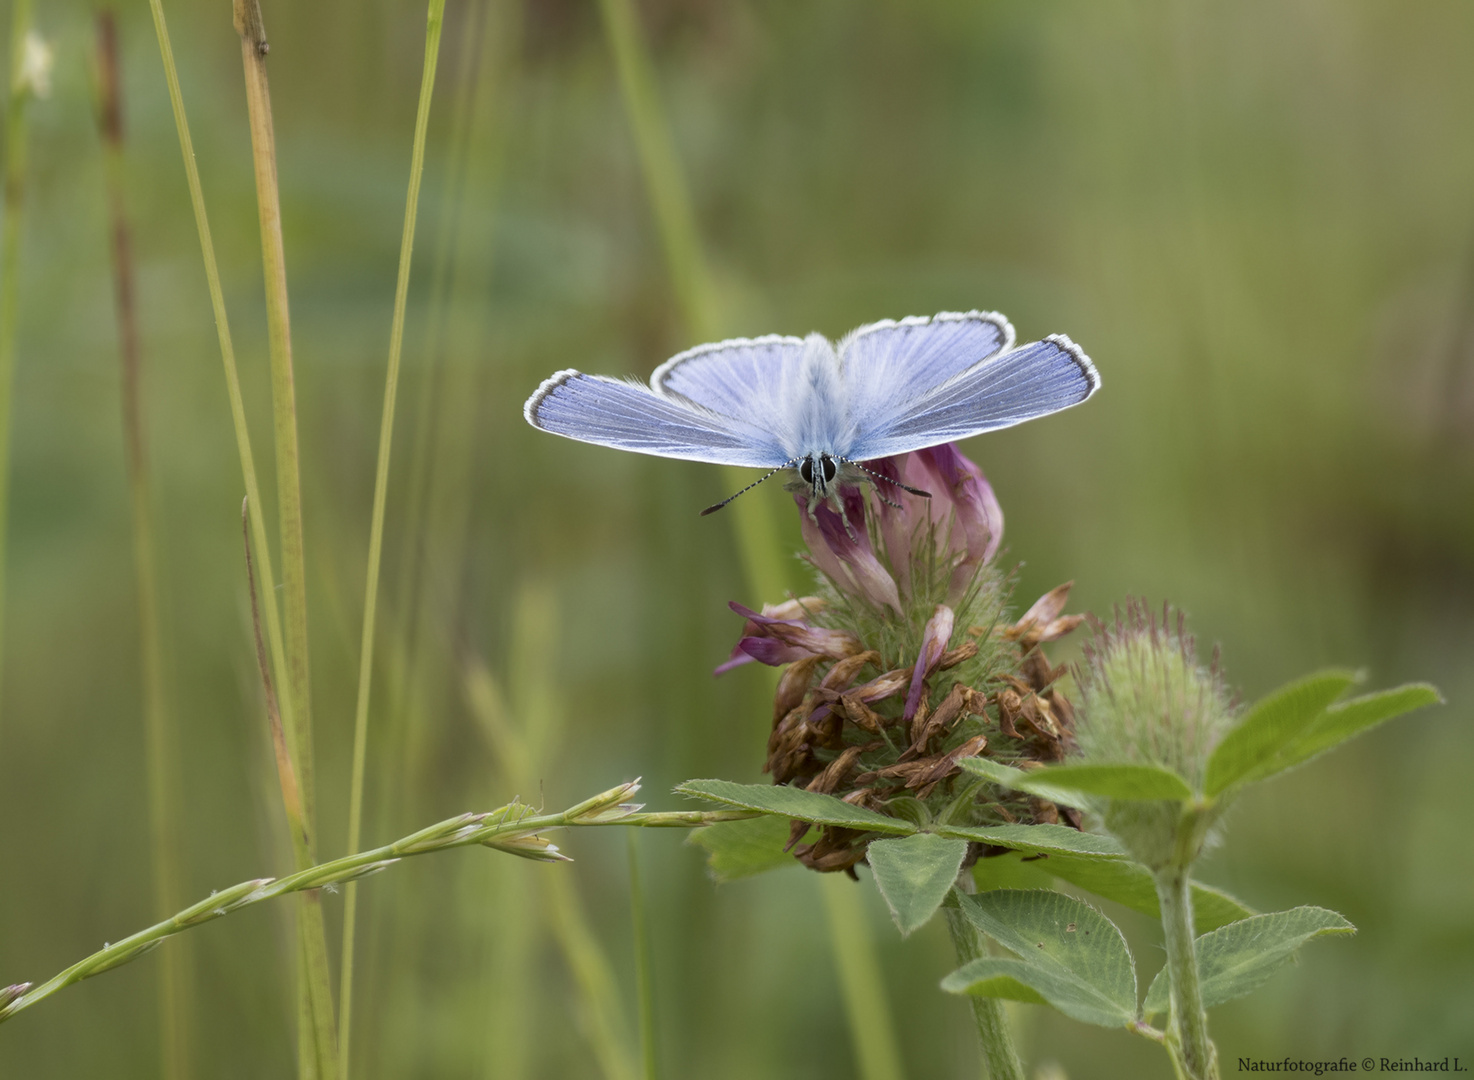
point(1146, 700)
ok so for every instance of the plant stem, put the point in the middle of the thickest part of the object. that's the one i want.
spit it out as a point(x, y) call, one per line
point(644, 987)
point(227, 354)
point(434, 20)
point(994, 1036)
point(158, 726)
point(755, 526)
point(513, 828)
point(315, 993)
point(14, 205)
point(861, 984)
point(757, 530)
point(1187, 1031)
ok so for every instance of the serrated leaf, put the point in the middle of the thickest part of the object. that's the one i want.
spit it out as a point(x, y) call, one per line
point(739, 849)
point(795, 803)
point(1147, 783)
point(1069, 953)
point(914, 874)
point(1348, 718)
point(1237, 959)
point(1272, 724)
point(1038, 839)
point(1130, 885)
point(1012, 778)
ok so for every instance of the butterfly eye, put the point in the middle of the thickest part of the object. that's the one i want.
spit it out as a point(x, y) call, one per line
point(829, 467)
point(806, 470)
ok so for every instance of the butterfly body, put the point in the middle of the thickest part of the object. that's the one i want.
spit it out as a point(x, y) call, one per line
point(806, 404)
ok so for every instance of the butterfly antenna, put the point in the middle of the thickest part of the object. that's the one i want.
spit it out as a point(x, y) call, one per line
point(713, 509)
point(888, 480)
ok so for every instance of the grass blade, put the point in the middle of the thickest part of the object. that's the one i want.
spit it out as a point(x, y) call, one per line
point(434, 20)
point(158, 725)
point(16, 138)
point(317, 1054)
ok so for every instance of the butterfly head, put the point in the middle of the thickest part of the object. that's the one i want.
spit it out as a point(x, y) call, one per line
point(818, 472)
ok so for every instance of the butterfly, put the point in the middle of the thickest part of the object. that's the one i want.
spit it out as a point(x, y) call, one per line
point(819, 408)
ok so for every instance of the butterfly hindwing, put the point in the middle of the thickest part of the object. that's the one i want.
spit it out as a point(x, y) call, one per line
point(627, 416)
point(1033, 380)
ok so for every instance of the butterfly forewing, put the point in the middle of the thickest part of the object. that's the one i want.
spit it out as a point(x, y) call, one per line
point(628, 416)
point(743, 378)
point(1025, 383)
point(887, 364)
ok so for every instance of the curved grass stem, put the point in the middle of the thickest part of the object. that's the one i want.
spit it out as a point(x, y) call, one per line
point(514, 829)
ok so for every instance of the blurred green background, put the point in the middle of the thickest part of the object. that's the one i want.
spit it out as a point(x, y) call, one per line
point(1258, 219)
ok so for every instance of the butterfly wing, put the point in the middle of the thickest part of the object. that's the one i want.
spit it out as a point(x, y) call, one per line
point(743, 378)
point(889, 362)
point(1007, 388)
point(627, 416)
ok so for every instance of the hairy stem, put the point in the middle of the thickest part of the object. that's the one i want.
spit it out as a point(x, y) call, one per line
point(1000, 1058)
point(1187, 1032)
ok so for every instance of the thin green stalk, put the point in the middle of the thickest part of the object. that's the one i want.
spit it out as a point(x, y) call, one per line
point(1187, 1031)
point(227, 359)
point(761, 552)
point(593, 976)
point(434, 20)
point(644, 987)
point(317, 1053)
point(757, 529)
point(877, 1056)
point(1000, 1059)
point(22, 90)
point(513, 828)
point(158, 726)
point(523, 750)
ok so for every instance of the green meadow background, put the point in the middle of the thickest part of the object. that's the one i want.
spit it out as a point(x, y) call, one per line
point(1257, 218)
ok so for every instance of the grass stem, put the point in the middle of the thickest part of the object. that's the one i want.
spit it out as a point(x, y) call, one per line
point(877, 1056)
point(434, 20)
point(315, 992)
point(14, 201)
point(670, 201)
point(227, 353)
point(513, 828)
point(158, 724)
point(868, 1013)
point(644, 984)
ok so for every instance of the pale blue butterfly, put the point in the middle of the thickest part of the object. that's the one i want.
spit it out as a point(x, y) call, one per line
point(806, 404)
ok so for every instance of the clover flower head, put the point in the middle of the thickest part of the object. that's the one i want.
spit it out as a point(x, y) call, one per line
point(904, 665)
